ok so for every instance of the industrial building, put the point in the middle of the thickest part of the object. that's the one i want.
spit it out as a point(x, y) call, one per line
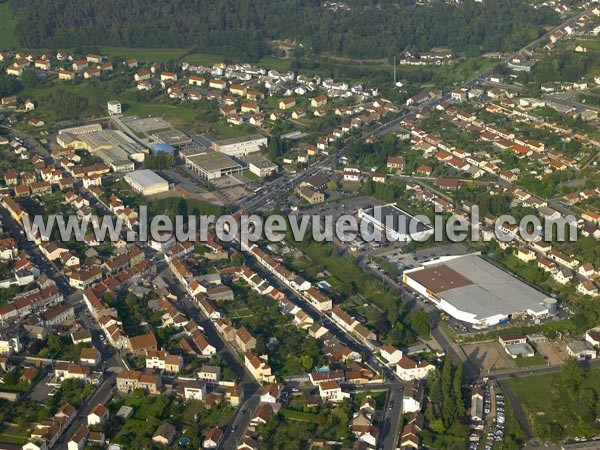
point(208, 164)
point(174, 138)
point(397, 225)
point(472, 290)
point(240, 146)
point(115, 148)
point(146, 182)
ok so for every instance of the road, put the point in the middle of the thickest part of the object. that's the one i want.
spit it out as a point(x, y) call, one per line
point(408, 296)
point(35, 255)
point(389, 431)
point(101, 394)
point(237, 426)
point(288, 182)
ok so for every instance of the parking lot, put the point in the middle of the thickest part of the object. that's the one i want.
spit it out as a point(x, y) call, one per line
point(494, 418)
point(407, 261)
point(41, 391)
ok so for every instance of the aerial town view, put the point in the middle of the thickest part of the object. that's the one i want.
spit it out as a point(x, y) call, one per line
point(299, 225)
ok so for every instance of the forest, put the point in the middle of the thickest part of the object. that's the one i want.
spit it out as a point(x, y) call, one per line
point(244, 28)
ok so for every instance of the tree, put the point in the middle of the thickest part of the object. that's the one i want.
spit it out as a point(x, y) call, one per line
point(159, 161)
point(241, 28)
point(457, 384)
point(420, 322)
point(29, 79)
point(237, 259)
point(307, 362)
point(571, 377)
point(584, 407)
point(435, 388)
point(8, 86)
point(448, 407)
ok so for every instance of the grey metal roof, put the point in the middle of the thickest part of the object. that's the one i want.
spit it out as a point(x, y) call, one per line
point(146, 177)
point(492, 292)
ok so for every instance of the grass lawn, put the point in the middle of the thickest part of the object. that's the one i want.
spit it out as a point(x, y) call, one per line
point(202, 59)
point(16, 440)
point(146, 55)
point(251, 176)
point(95, 95)
point(156, 109)
point(535, 360)
point(301, 416)
point(14, 435)
point(378, 396)
point(7, 26)
point(223, 131)
point(271, 62)
point(145, 406)
point(591, 45)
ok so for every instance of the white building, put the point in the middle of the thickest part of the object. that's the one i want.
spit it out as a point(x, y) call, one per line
point(472, 290)
point(390, 354)
point(146, 182)
point(241, 146)
point(262, 167)
point(10, 345)
point(114, 107)
point(98, 415)
point(395, 224)
point(407, 369)
point(582, 350)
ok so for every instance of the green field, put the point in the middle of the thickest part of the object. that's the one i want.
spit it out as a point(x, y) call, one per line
point(550, 411)
point(147, 55)
point(94, 94)
point(202, 59)
point(207, 59)
point(7, 26)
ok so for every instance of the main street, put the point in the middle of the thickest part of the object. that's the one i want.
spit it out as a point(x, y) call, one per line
point(101, 394)
point(289, 182)
point(237, 426)
point(393, 411)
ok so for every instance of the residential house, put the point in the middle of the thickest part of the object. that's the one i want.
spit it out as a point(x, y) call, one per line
point(407, 369)
point(98, 415)
point(259, 367)
point(287, 103)
point(213, 438)
point(165, 434)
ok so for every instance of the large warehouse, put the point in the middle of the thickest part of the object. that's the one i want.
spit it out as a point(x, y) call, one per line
point(146, 182)
point(397, 225)
point(114, 147)
point(209, 164)
point(472, 290)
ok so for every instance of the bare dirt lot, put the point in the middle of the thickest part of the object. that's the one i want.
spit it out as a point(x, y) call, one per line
point(553, 351)
point(180, 191)
point(488, 356)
